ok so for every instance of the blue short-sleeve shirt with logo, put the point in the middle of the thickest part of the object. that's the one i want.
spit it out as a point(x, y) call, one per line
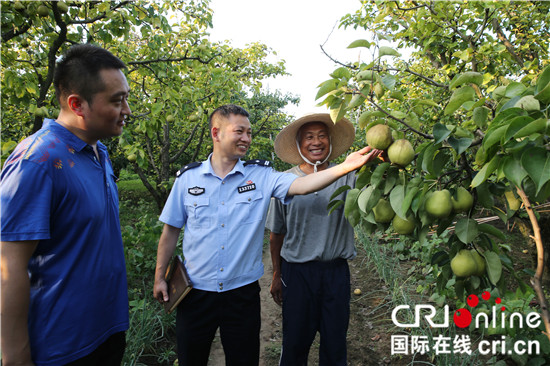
point(223, 221)
point(55, 190)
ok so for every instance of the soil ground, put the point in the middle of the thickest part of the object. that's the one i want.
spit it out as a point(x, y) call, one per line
point(368, 334)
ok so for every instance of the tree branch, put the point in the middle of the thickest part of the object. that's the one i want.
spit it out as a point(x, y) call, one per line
point(371, 100)
point(536, 281)
point(509, 46)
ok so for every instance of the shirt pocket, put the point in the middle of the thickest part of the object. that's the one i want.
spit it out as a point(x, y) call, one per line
point(198, 209)
point(249, 207)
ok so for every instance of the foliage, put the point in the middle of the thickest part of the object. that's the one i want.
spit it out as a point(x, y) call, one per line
point(176, 74)
point(473, 99)
point(150, 327)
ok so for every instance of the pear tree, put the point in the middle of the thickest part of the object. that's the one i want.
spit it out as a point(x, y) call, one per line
point(472, 100)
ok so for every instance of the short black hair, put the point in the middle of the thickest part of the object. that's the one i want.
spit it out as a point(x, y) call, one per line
point(78, 71)
point(227, 110)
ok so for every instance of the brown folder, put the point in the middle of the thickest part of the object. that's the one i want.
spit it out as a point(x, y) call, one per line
point(178, 282)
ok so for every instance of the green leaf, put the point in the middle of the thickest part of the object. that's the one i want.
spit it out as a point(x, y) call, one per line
point(356, 101)
point(536, 161)
point(368, 199)
point(491, 230)
point(363, 178)
point(397, 196)
point(543, 80)
point(439, 161)
point(326, 87)
point(156, 108)
point(528, 103)
point(333, 205)
point(391, 179)
point(494, 136)
point(513, 170)
point(440, 258)
point(351, 202)
point(379, 173)
point(339, 191)
point(466, 230)
point(470, 77)
point(341, 72)
point(494, 266)
point(480, 116)
point(367, 75)
point(514, 126)
point(459, 145)
point(388, 51)
point(428, 102)
point(440, 133)
point(360, 43)
point(538, 126)
point(336, 114)
point(485, 171)
point(459, 97)
point(542, 88)
point(514, 89)
point(409, 196)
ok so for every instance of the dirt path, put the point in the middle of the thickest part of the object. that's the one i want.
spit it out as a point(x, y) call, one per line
point(368, 335)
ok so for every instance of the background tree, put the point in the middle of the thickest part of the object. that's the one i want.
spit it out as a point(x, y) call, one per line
point(473, 99)
point(177, 77)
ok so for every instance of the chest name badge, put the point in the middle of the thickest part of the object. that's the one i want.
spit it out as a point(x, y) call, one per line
point(196, 191)
point(248, 187)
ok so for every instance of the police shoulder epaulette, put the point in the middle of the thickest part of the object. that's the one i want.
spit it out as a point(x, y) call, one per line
point(261, 162)
point(187, 167)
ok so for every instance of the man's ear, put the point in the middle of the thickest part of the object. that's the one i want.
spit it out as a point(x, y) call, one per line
point(215, 132)
point(75, 104)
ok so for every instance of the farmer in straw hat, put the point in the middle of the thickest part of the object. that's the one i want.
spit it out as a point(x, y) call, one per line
point(309, 247)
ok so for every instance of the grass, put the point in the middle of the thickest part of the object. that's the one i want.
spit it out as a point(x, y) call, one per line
point(151, 336)
point(401, 292)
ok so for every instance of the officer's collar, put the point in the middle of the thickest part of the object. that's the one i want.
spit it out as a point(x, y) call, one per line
point(207, 167)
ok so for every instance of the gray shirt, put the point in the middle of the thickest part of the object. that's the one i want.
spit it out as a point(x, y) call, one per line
point(311, 234)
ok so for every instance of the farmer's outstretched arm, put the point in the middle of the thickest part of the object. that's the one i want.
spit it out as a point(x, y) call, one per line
point(317, 181)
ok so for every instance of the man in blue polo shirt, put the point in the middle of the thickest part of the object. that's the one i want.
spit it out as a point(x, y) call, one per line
point(64, 291)
point(222, 203)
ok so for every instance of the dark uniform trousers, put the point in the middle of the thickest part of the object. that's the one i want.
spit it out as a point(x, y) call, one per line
point(237, 314)
point(316, 298)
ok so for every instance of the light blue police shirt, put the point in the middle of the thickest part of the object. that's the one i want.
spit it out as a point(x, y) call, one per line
point(224, 221)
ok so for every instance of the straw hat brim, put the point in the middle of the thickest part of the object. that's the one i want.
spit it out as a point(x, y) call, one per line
point(342, 135)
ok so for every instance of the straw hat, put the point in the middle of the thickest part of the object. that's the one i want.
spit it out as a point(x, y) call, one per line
point(342, 135)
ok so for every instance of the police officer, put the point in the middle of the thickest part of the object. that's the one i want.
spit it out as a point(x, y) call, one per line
point(222, 203)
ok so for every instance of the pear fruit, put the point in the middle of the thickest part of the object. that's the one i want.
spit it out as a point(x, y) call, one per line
point(62, 7)
point(43, 11)
point(514, 203)
point(402, 226)
point(480, 263)
point(439, 204)
point(464, 200)
point(379, 137)
point(468, 263)
point(383, 213)
point(463, 264)
point(401, 152)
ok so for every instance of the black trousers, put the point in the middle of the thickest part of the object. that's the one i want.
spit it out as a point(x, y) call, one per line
point(316, 298)
point(109, 353)
point(235, 312)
